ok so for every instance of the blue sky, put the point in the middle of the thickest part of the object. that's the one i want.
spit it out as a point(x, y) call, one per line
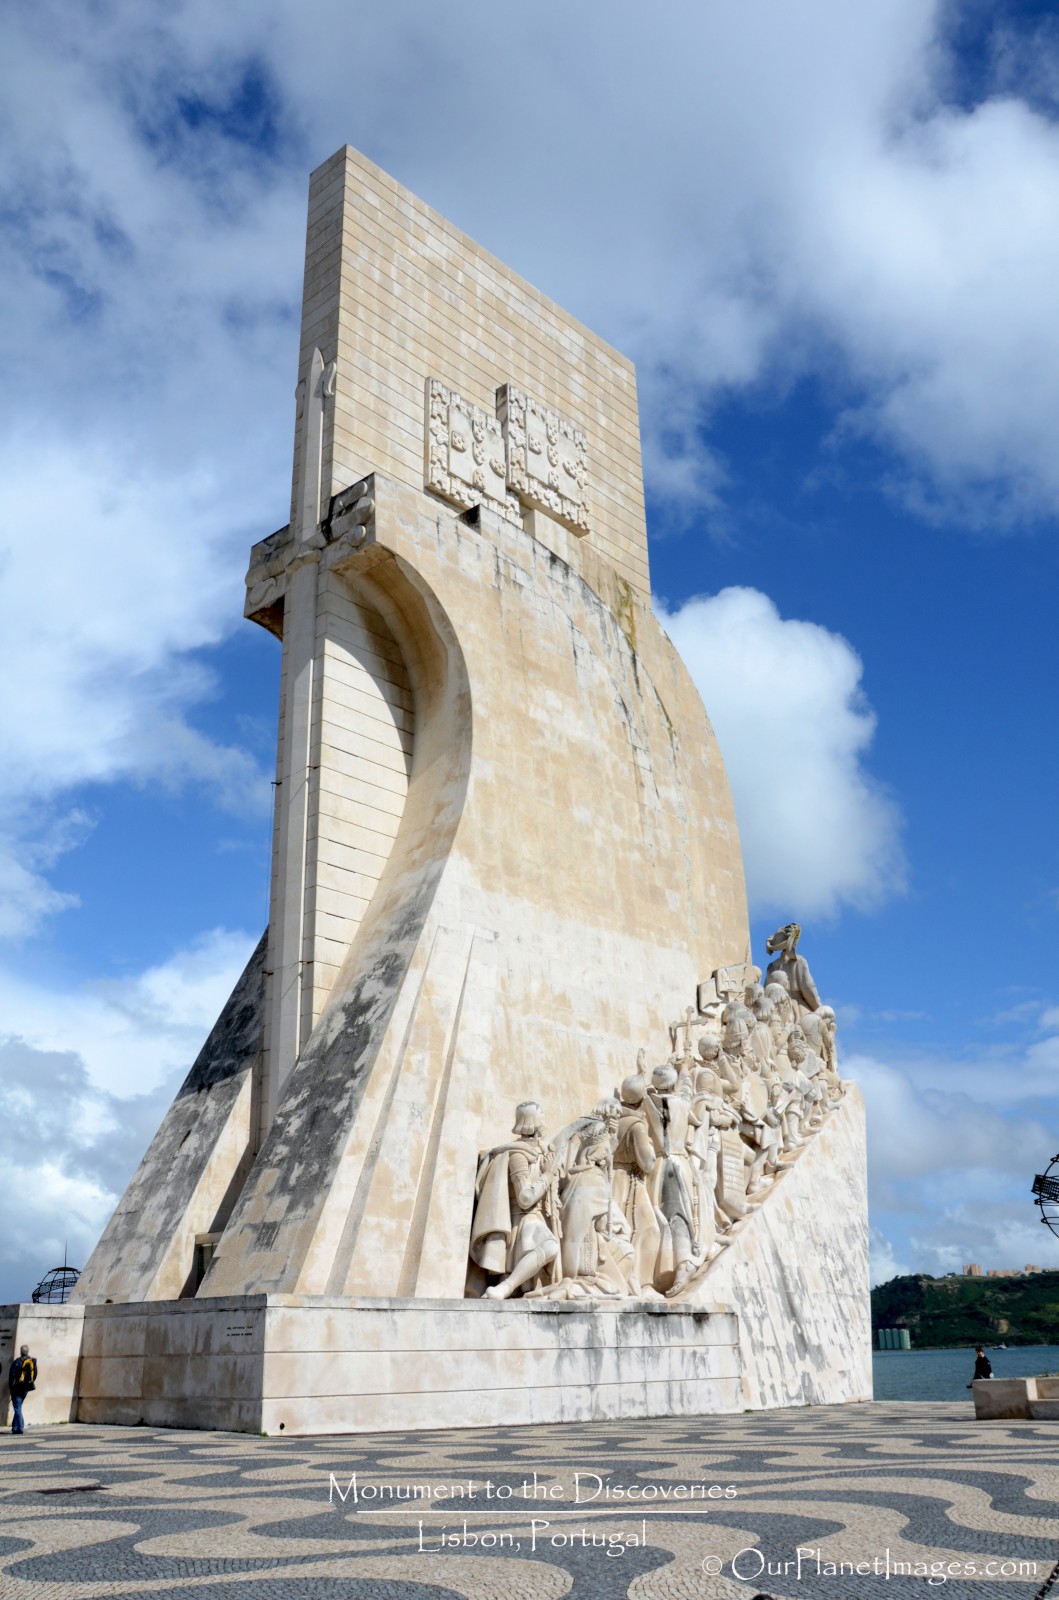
point(829, 237)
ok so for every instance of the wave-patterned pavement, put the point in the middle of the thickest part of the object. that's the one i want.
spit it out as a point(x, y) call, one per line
point(885, 1502)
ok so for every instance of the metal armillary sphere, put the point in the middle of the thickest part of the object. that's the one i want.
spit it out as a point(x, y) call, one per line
point(56, 1286)
point(1046, 1195)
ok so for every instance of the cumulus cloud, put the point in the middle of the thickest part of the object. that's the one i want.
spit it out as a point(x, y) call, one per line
point(788, 190)
point(85, 1079)
point(785, 698)
point(950, 1168)
point(71, 1150)
point(130, 1035)
point(97, 649)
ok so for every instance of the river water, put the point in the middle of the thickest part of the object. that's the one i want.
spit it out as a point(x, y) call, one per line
point(945, 1374)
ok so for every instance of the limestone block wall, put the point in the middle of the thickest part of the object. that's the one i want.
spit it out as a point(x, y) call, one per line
point(566, 867)
point(394, 293)
point(159, 1363)
point(362, 754)
point(301, 1366)
point(797, 1272)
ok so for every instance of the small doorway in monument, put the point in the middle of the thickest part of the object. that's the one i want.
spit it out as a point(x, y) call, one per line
point(205, 1245)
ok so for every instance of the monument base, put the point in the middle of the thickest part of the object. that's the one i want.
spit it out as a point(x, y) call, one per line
point(304, 1365)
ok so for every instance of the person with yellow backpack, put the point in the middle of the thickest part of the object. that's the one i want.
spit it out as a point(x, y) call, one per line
point(20, 1380)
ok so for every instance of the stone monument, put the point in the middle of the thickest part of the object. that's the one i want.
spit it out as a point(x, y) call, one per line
point(504, 853)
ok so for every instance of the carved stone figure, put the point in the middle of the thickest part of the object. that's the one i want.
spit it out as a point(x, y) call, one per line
point(584, 1208)
point(794, 967)
point(637, 1197)
point(762, 1130)
point(634, 1161)
point(514, 1226)
point(673, 1177)
point(712, 1055)
point(804, 1069)
point(819, 1030)
point(761, 1035)
point(596, 1252)
point(711, 1116)
point(734, 1050)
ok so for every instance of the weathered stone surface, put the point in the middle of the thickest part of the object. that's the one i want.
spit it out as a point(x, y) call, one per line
point(797, 1273)
point(394, 294)
point(1032, 1399)
point(301, 1365)
point(566, 860)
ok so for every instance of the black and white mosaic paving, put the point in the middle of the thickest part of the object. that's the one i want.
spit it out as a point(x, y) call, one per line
point(879, 1502)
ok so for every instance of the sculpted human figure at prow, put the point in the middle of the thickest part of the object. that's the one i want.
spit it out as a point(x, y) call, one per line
point(791, 967)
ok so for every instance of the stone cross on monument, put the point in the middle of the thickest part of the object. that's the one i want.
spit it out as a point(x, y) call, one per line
point(504, 853)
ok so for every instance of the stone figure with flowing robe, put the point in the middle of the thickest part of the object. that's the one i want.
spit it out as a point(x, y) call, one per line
point(634, 1161)
point(596, 1247)
point(673, 1178)
point(515, 1224)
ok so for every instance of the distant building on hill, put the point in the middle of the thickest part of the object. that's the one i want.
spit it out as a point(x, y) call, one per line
point(972, 1270)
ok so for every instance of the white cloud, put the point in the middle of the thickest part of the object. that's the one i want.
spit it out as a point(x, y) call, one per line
point(75, 1150)
point(26, 896)
point(780, 190)
point(950, 1170)
point(131, 1035)
point(786, 701)
point(938, 1131)
point(86, 1077)
point(95, 650)
point(884, 1263)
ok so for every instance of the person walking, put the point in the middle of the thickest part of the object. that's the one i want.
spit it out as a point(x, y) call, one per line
point(20, 1380)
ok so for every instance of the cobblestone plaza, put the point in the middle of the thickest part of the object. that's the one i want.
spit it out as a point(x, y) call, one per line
point(887, 1500)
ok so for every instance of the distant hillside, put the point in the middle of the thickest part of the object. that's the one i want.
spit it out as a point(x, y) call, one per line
point(954, 1311)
